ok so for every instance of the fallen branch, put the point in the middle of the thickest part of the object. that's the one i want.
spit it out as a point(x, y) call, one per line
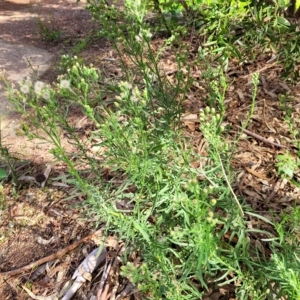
point(262, 139)
point(56, 255)
point(260, 70)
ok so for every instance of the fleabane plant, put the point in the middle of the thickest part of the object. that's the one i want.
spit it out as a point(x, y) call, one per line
point(29, 94)
point(78, 87)
point(170, 219)
point(51, 106)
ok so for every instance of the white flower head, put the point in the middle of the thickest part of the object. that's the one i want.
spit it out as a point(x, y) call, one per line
point(144, 34)
point(25, 89)
point(65, 84)
point(138, 38)
point(38, 86)
point(46, 94)
point(136, 95)
point(28, 81)
point(134, 99)
point(126, 85)
point(147, 34)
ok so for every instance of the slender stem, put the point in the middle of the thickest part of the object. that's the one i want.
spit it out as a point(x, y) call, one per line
point(229, 185)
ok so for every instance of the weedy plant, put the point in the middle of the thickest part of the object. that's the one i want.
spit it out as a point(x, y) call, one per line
point(176, 208)
point(7, 162)
point(287, 166)
point(48, 33)
point(242, 29)
point(286, 105)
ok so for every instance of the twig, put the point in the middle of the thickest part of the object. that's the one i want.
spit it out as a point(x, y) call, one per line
point(127, 290)
point(260, 70)
point(103, 279)
point(105, 294)
point(115, 288)
point(262, 139)
point(56, 255)
point(115, 269)
point(184, 4)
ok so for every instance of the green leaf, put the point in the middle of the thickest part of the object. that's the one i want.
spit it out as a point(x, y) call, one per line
point(259, 217)
point(297, 5)
point(142, 231)
point(3, 174)
point(283, 21)
point(288, 171)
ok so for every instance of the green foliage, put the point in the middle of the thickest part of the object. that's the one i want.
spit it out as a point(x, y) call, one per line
point(287, 164)
point(238, 29)
point(289, 275)
point(287, 106)
point(81, 45)
point(187, 5)
point(8, 163)
point(48, 33)
point(3, 174)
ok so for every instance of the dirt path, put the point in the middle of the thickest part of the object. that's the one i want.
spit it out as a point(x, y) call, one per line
point(27, 35)
point(19, 20)
point(14, 67)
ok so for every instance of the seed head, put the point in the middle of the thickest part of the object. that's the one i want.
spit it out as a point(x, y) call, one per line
point(38, 86)
point(65, 84)
point(46, 94)
point(25, 89)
